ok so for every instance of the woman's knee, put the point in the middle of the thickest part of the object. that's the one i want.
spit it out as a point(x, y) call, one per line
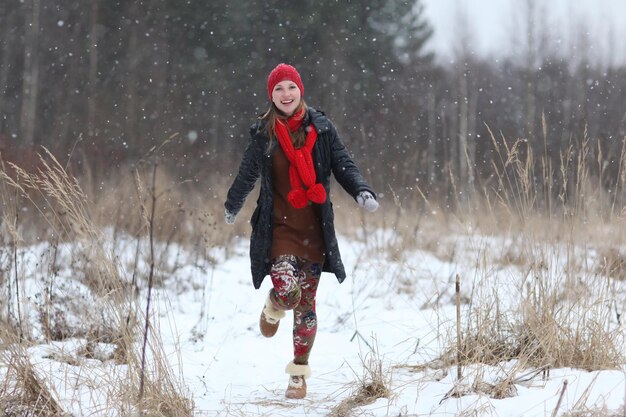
point(287, 291)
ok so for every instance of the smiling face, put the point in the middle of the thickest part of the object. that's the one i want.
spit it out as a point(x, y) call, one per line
point(286, 96)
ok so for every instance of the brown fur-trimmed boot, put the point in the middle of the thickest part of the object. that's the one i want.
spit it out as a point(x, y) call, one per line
point(296, 389)
point(270, 318)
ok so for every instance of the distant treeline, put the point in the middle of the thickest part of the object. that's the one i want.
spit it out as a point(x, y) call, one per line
point(100, 83)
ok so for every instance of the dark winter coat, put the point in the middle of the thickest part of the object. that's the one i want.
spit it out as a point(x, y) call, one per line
point(329, 155)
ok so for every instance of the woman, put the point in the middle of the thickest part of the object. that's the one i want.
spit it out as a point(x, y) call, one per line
point(293, 149)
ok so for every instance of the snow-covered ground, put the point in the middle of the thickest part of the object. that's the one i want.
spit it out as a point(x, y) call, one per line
point(393, 311)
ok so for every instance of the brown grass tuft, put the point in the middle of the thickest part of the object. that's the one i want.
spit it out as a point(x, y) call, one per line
point(374, 384)
point(23, 391)
point(612, 263)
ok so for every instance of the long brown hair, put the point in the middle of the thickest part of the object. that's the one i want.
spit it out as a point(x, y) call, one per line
point(273, 114)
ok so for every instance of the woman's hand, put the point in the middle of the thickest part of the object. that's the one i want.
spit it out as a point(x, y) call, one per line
point(229, 217)
point(367, 201)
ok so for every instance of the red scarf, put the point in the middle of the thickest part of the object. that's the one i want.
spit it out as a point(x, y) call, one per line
point(301, 170)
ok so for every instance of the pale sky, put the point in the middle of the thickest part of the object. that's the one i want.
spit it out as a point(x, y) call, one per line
point(497, 27)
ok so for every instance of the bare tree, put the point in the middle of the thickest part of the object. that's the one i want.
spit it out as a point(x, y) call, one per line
point(466, 99)
point(531, 60)
point(530, 38)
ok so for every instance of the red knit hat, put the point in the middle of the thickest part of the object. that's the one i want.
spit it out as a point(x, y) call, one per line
point(283, 72)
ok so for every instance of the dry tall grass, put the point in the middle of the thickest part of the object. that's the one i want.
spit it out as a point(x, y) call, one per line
point(69, 216)
point(564, 238)
point(561, 230)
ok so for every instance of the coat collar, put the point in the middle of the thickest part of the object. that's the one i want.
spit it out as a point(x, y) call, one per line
point(319, 120)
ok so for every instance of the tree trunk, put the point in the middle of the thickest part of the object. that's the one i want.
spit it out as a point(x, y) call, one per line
point(463, 131)
point(30, 85)
point(7, 22)
point(471, 143)
point(93, 70)
point(432, 138)
point(64, 123)
point(130, 86)
point(531, 58)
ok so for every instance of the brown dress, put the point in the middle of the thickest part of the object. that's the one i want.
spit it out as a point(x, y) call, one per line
point(295, 231)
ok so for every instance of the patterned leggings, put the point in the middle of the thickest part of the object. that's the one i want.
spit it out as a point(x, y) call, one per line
point(295, 283)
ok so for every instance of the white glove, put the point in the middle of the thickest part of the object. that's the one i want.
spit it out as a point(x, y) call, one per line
point(367, 201)
point(229, 217)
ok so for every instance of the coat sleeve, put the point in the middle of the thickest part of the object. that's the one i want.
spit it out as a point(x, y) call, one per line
point(344, 169)
point(248, 174)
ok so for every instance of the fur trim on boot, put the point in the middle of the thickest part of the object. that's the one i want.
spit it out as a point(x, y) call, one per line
point(270, 318)
point(296, 388)
point(296, 369)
